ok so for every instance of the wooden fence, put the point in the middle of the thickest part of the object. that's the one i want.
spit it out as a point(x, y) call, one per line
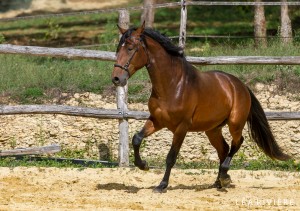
point(122, 113)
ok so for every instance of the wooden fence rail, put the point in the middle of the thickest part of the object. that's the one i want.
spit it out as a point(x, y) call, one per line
point(71, 53)
point(107, 113)
point(31, 151)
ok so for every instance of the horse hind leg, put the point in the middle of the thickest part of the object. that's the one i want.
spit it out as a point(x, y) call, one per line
point(237, 140)
point(218, 142)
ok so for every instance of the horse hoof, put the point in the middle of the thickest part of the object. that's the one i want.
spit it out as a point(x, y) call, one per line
point(217, 184)
point(162, 188)
point(225, 182)
point(159, 189)
point(144, 166)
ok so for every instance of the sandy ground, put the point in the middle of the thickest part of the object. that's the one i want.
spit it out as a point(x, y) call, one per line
point(34, 188)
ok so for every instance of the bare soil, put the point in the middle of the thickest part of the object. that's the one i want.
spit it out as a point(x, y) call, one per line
point(34, 188)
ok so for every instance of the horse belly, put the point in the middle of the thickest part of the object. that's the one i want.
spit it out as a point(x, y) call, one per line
point(212, 118)
point(206, 125)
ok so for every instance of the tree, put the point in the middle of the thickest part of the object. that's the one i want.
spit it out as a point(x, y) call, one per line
point(285, 26)
point(148, 13)
point(6, 5)
point(260, 31)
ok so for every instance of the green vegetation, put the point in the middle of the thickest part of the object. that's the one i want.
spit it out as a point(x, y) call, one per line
point(12, 162)
point(30, 79)
point(262, 163)
point(27, 79)
point(239, 162)
point(286, 76)
point(2, 38)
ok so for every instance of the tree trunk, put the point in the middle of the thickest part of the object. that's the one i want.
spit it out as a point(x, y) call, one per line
point(286, 27)
point(260, 31)
point(148, 13)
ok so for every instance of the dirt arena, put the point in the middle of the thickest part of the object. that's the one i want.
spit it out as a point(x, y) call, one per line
point(23, 188)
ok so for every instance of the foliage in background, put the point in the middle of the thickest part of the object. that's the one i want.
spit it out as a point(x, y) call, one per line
point(28, 79)
point(53, 30)
point(2, 38)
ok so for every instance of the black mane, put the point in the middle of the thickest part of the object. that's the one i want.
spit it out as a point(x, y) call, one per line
point(164, 41)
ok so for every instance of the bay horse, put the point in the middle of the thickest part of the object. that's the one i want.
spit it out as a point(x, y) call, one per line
point(184, 99)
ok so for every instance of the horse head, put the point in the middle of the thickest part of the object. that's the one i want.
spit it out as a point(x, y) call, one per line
point(131, 55)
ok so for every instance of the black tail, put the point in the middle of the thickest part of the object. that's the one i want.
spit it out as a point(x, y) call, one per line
point(261, 132)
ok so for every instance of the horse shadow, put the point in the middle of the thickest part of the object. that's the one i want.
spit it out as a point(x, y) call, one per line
point(134, 189)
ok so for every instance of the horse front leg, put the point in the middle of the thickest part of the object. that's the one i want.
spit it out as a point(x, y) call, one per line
point(148, 129)
point(178, 138)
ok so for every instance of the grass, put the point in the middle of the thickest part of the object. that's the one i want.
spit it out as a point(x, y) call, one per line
point(262, 163)
point(28, 79)
point(250, 74)
point(12, 162)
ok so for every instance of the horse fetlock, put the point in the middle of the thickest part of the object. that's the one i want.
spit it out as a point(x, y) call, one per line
point(226, 164)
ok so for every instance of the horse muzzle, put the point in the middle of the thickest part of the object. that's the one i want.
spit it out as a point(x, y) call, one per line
point(120, 80)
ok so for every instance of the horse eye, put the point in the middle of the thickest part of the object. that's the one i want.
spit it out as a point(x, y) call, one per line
point(130, 49)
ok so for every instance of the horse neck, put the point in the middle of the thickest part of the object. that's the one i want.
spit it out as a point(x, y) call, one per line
point(166, 71)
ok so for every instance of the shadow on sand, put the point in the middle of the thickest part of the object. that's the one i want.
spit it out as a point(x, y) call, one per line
point(134, 189)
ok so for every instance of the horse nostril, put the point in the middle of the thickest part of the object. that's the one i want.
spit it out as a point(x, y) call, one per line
point(116, 80)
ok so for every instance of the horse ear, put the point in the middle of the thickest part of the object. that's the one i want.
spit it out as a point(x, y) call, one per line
point(122, 31)
point(141, 29)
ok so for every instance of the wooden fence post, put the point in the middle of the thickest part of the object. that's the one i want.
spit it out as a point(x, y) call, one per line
point(148, 13)
point(286, 33)
point(122, 104)
point(183, 19)
point(260, 30)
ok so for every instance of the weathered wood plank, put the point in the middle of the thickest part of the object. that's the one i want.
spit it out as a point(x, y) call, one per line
point(32, 151)
point(107, 113)
point(122, 93)
point(183, 20)
point(287, 60)
point(69, 53)
point(60, 109)
point(138, 115)
point(226, 3)
point(283, 115)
